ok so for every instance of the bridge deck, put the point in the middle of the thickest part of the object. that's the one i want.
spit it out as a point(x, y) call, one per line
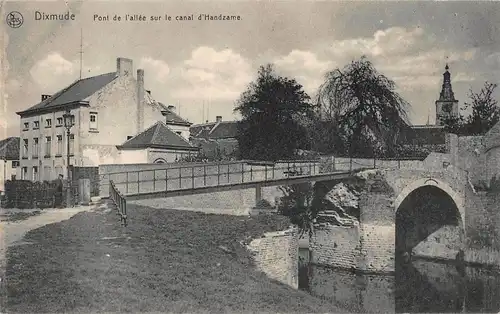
point(239, 186)
point(197, 179)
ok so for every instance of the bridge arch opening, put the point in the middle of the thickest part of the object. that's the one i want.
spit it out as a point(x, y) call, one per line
point(429, 223)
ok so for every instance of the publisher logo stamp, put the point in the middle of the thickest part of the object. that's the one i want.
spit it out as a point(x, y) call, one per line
point(14, 19)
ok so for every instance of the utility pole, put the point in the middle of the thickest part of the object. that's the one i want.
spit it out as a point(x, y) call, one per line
point(81, 52)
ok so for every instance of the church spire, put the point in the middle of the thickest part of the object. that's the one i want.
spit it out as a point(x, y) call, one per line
point(446, 90)
point(446, 105)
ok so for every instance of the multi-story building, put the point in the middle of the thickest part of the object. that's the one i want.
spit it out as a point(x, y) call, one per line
point(9, 160)
point(108, 110)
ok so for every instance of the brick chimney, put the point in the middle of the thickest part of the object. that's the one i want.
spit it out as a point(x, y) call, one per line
point(124, 66)
point(140, 100)
point(218, 119)
point(44, 97)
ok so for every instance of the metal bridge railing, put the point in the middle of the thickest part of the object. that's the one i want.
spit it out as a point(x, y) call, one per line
point(120, 202)
point(212, 175)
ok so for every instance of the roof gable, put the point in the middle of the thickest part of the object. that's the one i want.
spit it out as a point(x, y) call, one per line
point(9, 148)
point(173, 118)
point(423, 135)
point(76, 92)
point(158, 135)
point(215, 130)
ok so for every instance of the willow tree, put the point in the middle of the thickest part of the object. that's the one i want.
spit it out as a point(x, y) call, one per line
point(362, 109)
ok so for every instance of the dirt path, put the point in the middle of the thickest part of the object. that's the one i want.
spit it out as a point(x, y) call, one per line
point(13, 232)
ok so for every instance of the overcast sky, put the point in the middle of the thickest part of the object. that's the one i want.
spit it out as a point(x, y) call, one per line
point(192, 63)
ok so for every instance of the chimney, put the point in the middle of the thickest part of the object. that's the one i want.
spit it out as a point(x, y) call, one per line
point(218, 119)
point(124, 66)
point(148, 91)
point(44, 96)
point(171, 108)
point(140, 100)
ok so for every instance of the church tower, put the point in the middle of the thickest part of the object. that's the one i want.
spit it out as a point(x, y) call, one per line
point(446, 105)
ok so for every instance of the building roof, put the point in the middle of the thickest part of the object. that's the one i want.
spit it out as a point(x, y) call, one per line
point(9, 148)
point(423, 135)
point(77, 92)
point(215, 130)
point(157, 136)
point(172, 118)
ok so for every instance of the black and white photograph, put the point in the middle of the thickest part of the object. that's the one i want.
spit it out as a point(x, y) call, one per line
point(249, 156)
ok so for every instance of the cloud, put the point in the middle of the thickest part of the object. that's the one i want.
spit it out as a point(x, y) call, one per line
point(159, 68)
point(305, 67)
point(212, 74)
point(52, 71)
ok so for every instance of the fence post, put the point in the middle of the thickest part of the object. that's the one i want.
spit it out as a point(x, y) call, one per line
point(166, 179)
point(192, 177)
point(204, 175)
point(154, 180)
point(227, 173)
point(310, 169)
point(180, 180)
point(274, 165)
point(138, 185)
point(251, 173)
point(350, 163)
point(126, 173)
point(399, 163)
point(125, 212)
point(374, 162)
point(218, 174)
point(265, 172)
point(242, 173)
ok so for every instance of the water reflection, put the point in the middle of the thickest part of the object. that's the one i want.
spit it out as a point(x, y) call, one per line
point(421, 286)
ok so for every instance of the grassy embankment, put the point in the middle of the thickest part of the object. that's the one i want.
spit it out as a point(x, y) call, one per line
point(165, 260)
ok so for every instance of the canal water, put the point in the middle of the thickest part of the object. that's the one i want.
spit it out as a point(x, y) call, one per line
point(418, 287)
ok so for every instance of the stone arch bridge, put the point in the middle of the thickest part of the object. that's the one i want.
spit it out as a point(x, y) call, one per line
point(426, 209)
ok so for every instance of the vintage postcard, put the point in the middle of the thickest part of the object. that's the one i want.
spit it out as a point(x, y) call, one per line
point(249, 156)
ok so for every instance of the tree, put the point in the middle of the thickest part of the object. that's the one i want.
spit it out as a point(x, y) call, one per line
point(362, 109)
point(484, 113)
point(272, 109)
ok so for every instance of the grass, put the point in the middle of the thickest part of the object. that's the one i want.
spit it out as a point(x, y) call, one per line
point(19, 216)
point(165, 260)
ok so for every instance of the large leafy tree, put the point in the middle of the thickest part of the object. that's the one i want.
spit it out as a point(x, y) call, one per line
point(362, 109)
point(273, 109)
point(483, 110)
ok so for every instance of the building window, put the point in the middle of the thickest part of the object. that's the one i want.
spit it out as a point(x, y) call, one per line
point(24, 173)
point(59, 145)
point(26, 126)
point(47, 173)
point(35, 148)
point(36, 125)
point(59, 121)
point(93, 121)
point(72, 144)
point(15, 163)
point(48, 146)
point(25, 147)
point(35, 173)
point(48, 123)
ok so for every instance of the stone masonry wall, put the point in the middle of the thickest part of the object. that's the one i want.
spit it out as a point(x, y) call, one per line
point(335, 246)
point(276, 254)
